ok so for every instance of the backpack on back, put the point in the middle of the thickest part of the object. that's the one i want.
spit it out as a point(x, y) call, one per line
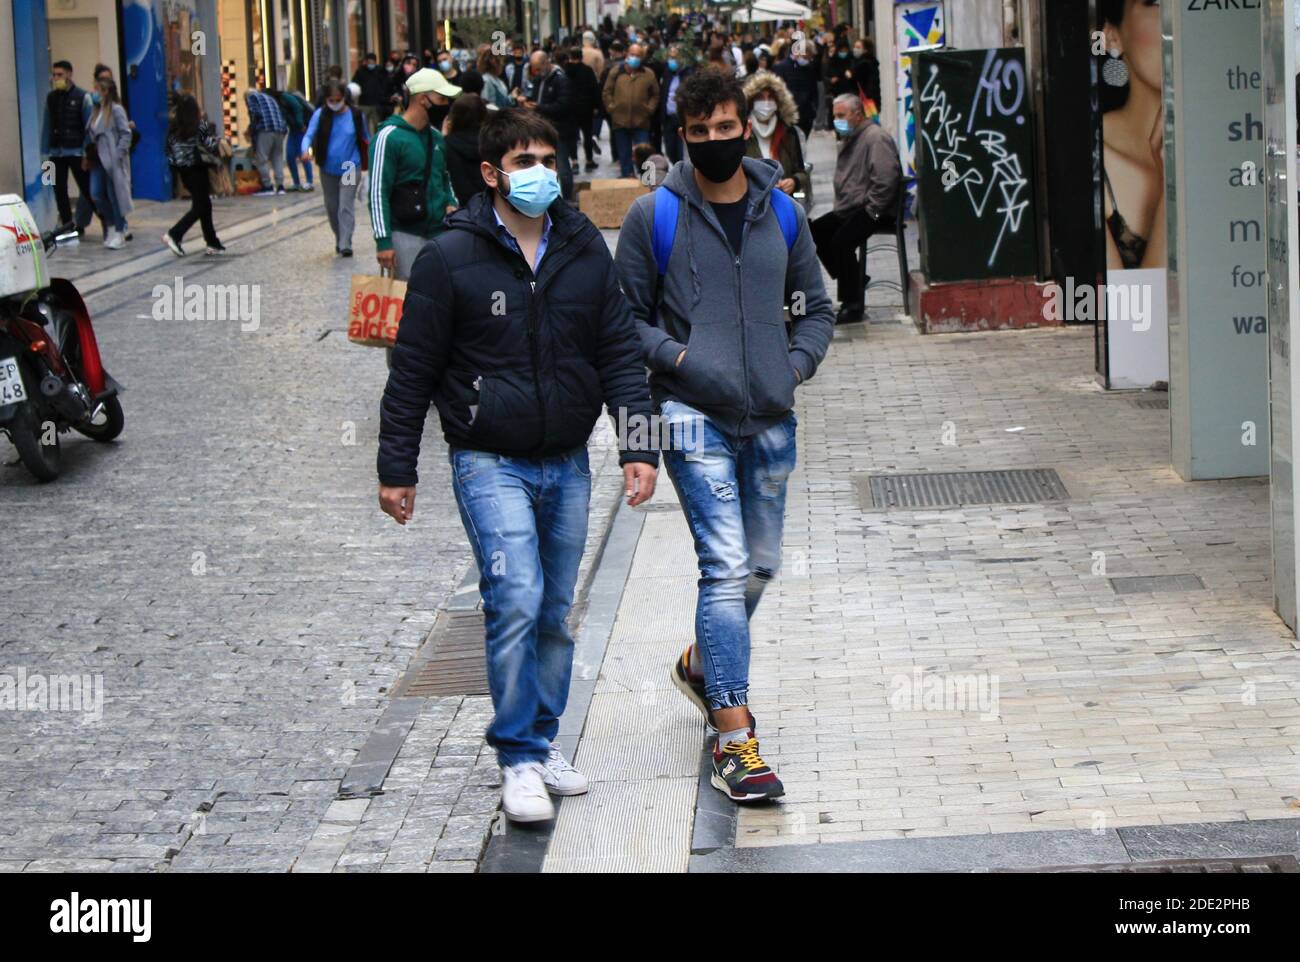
point(668, 204)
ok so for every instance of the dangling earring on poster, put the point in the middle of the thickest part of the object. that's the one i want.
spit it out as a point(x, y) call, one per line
point(1115, 71)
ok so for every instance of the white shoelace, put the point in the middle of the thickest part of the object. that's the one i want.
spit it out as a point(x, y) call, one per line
point(557, 763)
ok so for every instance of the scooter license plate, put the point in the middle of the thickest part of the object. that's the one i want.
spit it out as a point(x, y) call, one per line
point(11, 382)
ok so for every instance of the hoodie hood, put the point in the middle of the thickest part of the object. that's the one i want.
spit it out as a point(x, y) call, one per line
point(785, 105)
point(762, 176)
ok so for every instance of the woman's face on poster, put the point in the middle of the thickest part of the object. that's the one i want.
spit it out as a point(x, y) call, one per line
point(1138, 38)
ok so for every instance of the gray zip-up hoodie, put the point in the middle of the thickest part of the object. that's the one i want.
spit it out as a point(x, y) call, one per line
point(726, 312)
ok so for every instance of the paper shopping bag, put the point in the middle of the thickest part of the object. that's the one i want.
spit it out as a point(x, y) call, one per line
point(375, 310)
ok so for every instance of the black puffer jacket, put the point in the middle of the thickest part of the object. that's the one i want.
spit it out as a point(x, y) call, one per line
point(517, 365)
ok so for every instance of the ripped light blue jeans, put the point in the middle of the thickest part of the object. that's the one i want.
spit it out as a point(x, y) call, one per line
point(733, 493)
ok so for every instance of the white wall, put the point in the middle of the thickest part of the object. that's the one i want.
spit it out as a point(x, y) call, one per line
point(83, 60)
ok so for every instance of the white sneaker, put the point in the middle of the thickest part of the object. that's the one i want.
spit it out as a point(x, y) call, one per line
point(523, 794)
point(562, 778)
point(114, 240)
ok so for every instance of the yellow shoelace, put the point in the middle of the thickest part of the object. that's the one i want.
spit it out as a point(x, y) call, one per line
point(747, 752)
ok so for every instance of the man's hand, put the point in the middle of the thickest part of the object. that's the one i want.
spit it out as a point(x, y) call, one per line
point(680, 357)
point(786, 184)
point(387, 259)
point(399, 503)
point(451, 208)
point(638, 482)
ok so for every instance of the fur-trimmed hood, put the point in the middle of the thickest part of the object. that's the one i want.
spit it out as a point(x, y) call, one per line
point(785, 105)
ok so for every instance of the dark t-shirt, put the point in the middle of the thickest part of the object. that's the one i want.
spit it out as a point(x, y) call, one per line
point(732, 218)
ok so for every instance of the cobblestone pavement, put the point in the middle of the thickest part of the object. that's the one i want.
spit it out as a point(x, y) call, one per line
point(1089, 708)
point(966, 671)
point(225, 571)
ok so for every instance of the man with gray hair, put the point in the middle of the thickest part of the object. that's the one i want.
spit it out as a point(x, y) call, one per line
point(868, 175)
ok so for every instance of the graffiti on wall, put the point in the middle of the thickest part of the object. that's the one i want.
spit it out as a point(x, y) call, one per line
point(976, 163)
point(918, 26)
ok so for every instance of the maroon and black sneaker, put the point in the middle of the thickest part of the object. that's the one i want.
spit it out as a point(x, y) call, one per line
point(692, 686)
point(741, 774)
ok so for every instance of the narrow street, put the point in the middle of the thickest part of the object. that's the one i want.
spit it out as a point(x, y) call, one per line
point(225, 569)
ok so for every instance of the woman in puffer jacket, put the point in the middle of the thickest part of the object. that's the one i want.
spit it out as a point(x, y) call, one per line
point(774, 135)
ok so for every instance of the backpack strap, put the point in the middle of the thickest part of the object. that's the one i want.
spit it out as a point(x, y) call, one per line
point(783, 207)
point(667, 204)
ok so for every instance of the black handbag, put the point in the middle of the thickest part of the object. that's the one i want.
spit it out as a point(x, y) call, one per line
point(410, 201)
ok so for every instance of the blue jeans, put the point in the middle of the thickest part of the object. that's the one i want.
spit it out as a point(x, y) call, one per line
point(101, 189)
point(291, 158)
point(733, 493)
point(624, 140)
point(527, 522)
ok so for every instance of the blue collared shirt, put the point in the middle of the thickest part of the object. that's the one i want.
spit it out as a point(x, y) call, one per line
point(504, 233)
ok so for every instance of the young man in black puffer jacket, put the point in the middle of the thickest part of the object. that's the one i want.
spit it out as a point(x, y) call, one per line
point(515, 328)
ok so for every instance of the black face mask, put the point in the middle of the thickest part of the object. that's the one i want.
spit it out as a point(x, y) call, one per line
point(716, 160)
point(437, 114)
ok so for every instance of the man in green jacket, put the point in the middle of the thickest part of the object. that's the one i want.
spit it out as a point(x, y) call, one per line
point(407, 145)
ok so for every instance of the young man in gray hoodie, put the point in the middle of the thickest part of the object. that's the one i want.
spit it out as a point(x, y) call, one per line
point(723, 374)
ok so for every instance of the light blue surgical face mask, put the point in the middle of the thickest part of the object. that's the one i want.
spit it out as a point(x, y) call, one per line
point(532, 189)
point(444, 66)
point(634, 62)
point(672, 65)
point(843, 127)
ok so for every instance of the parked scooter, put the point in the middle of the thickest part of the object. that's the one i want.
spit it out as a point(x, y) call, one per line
point(51, 375)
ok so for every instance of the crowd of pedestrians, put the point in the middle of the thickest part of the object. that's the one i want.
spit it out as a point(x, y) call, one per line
point(520, 328)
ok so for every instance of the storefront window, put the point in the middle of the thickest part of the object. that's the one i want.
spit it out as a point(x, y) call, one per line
point(182, 64)
point(356, 26)
point(326, 37)
point(288, 70)
point(401, 26)
point(258, 64)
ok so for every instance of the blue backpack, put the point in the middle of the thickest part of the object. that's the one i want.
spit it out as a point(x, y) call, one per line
point(667, 205)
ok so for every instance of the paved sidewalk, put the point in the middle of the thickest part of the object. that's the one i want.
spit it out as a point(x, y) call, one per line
point(966, 672)
point(1102, 710)
point(1107, 709)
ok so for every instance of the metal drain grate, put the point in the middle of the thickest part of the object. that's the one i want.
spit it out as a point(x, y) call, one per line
point(958, 488)
point(1148, 583)
point(1260, 865)
point(452, 660)
point(1152, 403)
